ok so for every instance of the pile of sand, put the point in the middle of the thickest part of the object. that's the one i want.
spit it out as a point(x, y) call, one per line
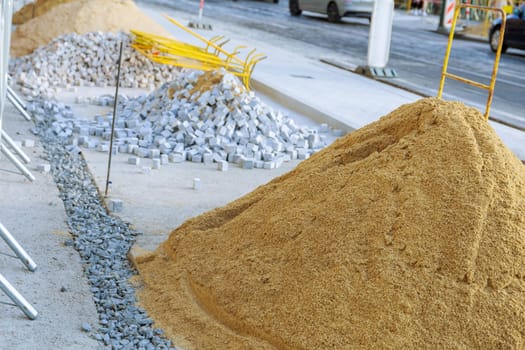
point(408, 233)
point(81, 17)
point(34, 9)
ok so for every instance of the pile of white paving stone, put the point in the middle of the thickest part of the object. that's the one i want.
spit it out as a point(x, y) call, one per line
point(73, 60)
point(222, 123)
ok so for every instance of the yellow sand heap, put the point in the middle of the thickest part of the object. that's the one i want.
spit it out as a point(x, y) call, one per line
point(81, 17)
point(35, 9)
point(406, 234)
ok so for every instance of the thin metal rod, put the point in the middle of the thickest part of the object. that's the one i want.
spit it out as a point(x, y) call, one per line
point(17, 163)
point(447, 52)
point(15, 148)
point(19, 107)
point(17, 298)
point(496, 63)
point(16, 97)
point(9, 255)
point(17, 248)
point(113, 121)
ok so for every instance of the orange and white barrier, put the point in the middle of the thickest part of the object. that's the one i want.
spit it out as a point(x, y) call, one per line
point(450, 6)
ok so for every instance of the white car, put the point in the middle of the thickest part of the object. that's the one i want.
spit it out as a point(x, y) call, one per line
point(335, 9)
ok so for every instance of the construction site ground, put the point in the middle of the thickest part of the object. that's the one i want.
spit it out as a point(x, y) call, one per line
point(155, 203)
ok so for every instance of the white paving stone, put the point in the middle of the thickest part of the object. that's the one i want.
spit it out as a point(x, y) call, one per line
point(86, 60)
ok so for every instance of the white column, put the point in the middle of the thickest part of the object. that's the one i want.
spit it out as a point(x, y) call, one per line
point(380, 33)
point(448, 16)
point(6, 14)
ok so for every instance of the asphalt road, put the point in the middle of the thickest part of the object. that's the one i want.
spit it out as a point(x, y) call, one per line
point(416, 51)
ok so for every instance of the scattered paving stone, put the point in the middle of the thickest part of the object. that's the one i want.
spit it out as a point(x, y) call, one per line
point(28, 143)
point(86, 327)
point(196, 183)
point(116, 205)
point(43, 168)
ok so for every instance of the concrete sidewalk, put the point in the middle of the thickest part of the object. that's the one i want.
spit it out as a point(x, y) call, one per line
point(58, 290)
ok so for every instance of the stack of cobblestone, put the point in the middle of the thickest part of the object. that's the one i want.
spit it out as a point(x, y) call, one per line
point(74, 60)
point(195, 120)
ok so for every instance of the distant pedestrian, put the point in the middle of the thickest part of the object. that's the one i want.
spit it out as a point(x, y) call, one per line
point(499, 4)
point(419, 7)
point(520, 9)
point(425, 7)
point(508, 7)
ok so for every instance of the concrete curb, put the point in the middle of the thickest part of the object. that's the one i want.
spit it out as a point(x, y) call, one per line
point(463, 36)
point(384, 80)
point(299, 106)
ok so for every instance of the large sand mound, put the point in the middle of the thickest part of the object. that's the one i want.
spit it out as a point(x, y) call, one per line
point(81, 17)
point(35, 9)
point(408, 233)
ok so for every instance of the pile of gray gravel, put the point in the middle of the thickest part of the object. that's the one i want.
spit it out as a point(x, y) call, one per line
point(101, 240)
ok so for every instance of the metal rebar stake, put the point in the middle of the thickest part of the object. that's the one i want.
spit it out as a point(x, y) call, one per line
point(18, 106)
point(17, 298)
point(15, 96)
point(17, 249)
point(113, 122)
point(6, 8)
point(5, 286)
point(9, 141)
point(17, 163)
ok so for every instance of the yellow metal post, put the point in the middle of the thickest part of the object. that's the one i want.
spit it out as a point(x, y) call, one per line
point(445, 74)
point(447, 52)
point(496, 63)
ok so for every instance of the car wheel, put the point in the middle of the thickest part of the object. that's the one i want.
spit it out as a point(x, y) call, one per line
point(295, 10)
point(494, 41)
point(333, 12)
